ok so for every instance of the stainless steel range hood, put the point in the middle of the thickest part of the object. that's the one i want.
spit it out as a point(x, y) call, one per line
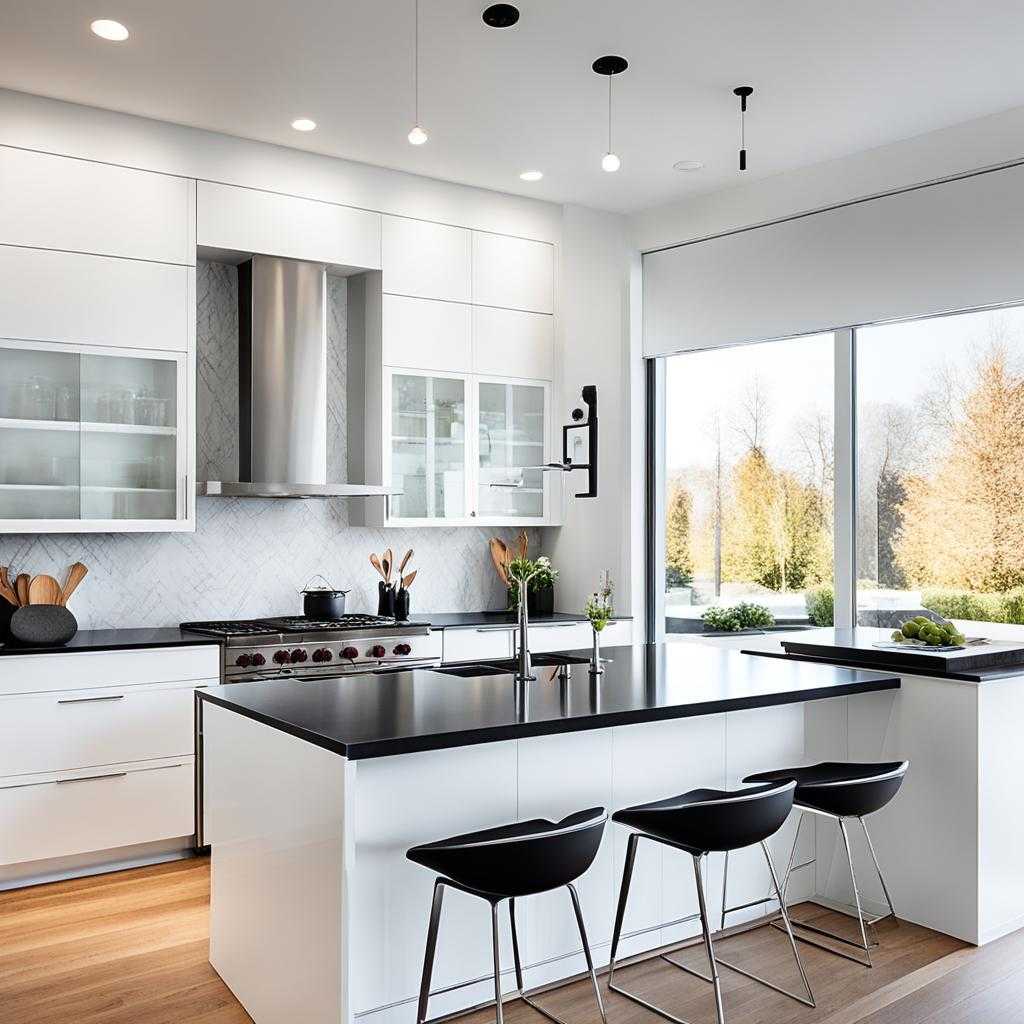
point(282, 385)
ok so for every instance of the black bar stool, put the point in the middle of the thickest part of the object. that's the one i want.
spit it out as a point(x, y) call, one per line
point(504, 863)
point(840, 791)
point(698, 823)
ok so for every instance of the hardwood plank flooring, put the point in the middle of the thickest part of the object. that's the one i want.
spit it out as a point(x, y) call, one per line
point(131, 947)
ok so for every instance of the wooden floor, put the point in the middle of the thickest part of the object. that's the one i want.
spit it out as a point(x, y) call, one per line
point(130, 948)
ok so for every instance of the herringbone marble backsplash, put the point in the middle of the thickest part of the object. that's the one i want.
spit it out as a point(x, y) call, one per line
point(250, 556)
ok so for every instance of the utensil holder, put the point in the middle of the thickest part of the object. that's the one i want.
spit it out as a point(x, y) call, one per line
point(43, 625)
point(386, 599)
point(402, 605)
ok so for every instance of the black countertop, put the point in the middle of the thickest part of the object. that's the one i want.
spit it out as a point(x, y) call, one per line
point(376, 715)
point(114, 640)
point(458, 620)
point(856, 648)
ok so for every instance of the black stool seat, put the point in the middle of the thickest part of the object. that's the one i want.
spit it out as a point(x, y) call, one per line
point(845, 790)
point(714, 819)
point(520, 859)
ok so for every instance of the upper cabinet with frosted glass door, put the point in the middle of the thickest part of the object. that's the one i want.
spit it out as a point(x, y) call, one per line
point(97, 347)
point(460, 349)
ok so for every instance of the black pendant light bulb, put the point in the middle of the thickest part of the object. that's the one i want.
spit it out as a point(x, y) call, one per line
point(418, 134)
point(609, 66)
point(744, 92)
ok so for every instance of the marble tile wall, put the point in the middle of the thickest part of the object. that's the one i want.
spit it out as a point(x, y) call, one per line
point(251, 556)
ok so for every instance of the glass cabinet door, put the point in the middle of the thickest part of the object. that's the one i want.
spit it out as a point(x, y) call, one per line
point(86, 435)
point(428, 446)
point(512, 431)
point(129, 437)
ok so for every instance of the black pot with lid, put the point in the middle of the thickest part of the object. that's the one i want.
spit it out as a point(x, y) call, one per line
point(322, 603)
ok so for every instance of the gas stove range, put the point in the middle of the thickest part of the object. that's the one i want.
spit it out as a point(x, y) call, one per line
point(297, 647)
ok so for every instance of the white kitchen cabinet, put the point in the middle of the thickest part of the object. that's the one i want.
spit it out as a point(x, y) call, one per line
point(245, 220)
point(94, 439)
point(431, 261)
point(56, 202)
point(95, 300)
point(99, 809)
point(97, 753)
point(485, 643)
point(510, 342)
point(515, 273)
point(479, 643)
point(450, 437)
point(426, 334)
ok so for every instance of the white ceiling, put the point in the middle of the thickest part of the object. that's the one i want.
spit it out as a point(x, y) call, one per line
point(831, 78)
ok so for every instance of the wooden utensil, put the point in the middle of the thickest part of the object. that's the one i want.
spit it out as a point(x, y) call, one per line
point(21, 585)
point(388, 561)
point(404, 562)
point(524, 543)
point(375, 562)
point(76, 574)
point(5, 591)
point(5, 581)
point(407, 580)
point(44, 590)
point(498, 558)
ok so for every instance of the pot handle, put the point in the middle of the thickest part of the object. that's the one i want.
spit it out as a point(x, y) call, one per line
point(305, 589)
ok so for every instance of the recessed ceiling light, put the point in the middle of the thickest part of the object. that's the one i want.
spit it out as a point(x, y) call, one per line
point(532, 175)
point(303, 124)
point(114, 31)
point(501, 15)
point(687, 165)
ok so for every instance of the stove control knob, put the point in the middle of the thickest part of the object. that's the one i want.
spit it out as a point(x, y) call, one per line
point(350, 652)
point(258, 659)
point(403, 649)
point(377, 651)
point(299, 655)
point(243, 661)
point(281, 657)
point(322, 654)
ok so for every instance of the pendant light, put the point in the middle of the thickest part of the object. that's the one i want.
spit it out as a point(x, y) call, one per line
point(744, 92)
point(418, 134)
point(609, 66)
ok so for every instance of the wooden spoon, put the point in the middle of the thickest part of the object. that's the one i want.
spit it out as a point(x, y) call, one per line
point(44, 590)
point(404, 562)
point(375, 562)
point(524, 543)
point(6, 591)
point(21, 585)
point(407, 580)
point(498, 558)
point(76, 574)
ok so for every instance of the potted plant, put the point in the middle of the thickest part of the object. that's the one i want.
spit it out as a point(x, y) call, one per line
point(540, 590)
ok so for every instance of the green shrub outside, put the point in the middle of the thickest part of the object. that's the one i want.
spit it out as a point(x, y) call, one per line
point(1007, 606)
point(821, 602)
point(744, 615)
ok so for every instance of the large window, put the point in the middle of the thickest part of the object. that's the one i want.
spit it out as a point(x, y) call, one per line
point(940, 459)
point(933, 444)
point(749, 491)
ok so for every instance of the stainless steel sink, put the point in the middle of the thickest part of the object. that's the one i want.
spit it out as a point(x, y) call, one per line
point(472, 671)
point(508, 666)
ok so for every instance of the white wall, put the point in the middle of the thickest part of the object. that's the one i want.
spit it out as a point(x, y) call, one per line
point(985, 142)
point(593, 349)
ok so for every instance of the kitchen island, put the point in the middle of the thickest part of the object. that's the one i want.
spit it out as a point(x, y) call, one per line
point(315, 790)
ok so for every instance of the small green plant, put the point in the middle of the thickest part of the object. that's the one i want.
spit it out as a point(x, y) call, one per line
point(599, 608)
point(744, 615)
point(821, 605)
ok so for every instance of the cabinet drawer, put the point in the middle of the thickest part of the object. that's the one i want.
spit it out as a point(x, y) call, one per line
point(513, 272)
point(55, 202)
point(477, 644)
point(509, 341)
point(570, 636)
point(249, 221)
point(36, 673)
point(428, 260)
point(81, 728)
point(426, 335)
point(81, 814)
point(95, 300)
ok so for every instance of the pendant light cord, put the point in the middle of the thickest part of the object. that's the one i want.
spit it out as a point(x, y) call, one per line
point(416, 64)
point(609, 113)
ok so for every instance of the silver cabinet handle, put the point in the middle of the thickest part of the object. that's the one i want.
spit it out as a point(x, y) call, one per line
point(88, 700)
point(494, 629)
point(93, 778)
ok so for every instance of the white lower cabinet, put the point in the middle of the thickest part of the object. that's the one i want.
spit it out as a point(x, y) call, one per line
point(97, 752)
point(82, 812)
point(485, 643)
point(482, 643)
